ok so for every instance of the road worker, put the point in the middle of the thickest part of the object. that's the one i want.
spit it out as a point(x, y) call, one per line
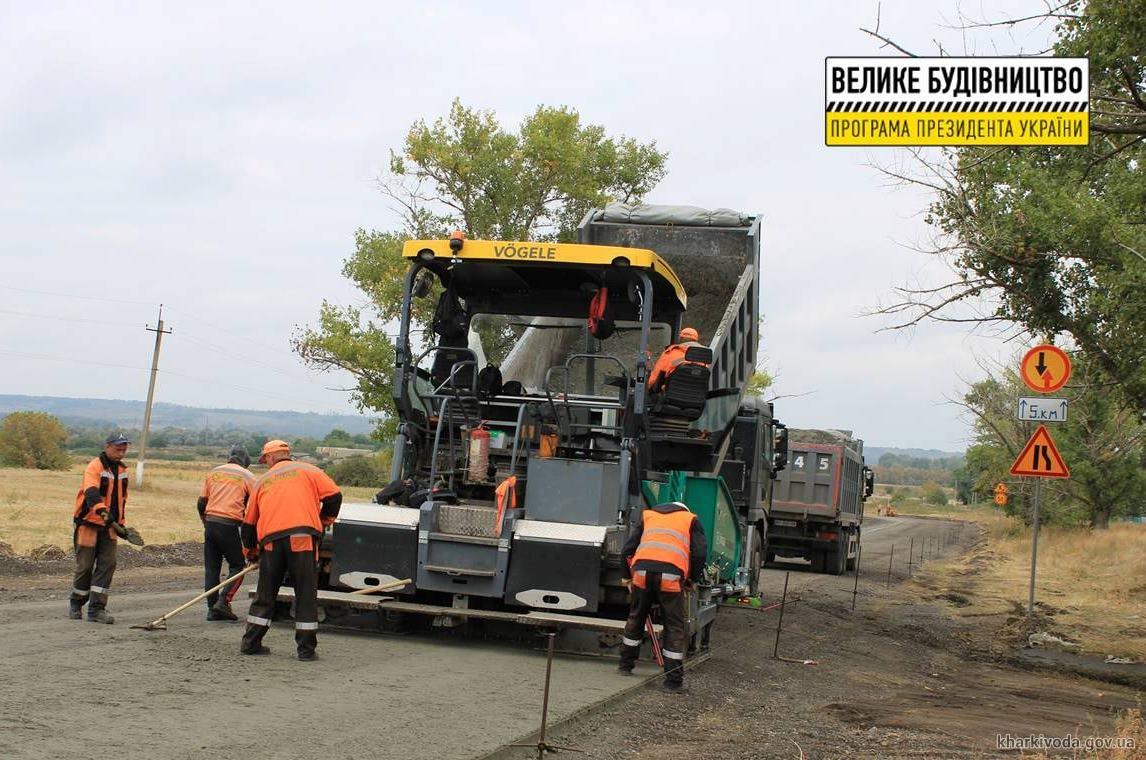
point(99, 517)
point(222, 503)
point(289, 509)
point(672, 357)
point(663, 557)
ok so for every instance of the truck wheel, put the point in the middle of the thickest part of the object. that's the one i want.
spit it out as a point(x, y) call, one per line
point(837, 559)
point(819, 562)
point(754, 566)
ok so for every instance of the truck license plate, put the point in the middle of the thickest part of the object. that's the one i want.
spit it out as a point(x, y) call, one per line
point(786, 523)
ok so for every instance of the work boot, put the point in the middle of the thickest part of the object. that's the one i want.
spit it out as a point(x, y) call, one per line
point(625, 669)
point(76, 609)
point(257, 649)
point(221, 611)
point(307, 655)
point(674, 687)
point(99, 616)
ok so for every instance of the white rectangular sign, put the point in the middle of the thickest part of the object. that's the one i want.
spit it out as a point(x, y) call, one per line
point(1041, 409)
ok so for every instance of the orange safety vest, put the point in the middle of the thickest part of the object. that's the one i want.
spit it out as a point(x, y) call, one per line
point(227, 488)
point(665, 539)
point(287, 500)
point(107, 480)
point(668, 362)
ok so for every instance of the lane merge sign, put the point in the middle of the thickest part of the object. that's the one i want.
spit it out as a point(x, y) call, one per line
point(1040, 458)
point(1045, 368)
point(1038, 409)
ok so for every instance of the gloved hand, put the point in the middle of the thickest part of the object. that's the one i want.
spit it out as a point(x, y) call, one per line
point(104, 515)
point(251, 554)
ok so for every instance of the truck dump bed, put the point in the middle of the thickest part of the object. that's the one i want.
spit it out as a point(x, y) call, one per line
point(823, 479)
point(716, 254)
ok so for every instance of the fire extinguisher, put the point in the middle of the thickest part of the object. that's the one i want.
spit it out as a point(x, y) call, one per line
point(479, 454)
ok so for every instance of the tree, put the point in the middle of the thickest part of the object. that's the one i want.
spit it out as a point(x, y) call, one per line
point(34, 440)
point(760, 382)
point(1053, 239)
point(466, 171)
point(933, 494)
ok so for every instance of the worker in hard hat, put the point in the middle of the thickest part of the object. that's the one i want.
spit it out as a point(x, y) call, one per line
point(222, 504)
point(663, 557)
point(672, 357)
point(288, 511)
point(99, 517)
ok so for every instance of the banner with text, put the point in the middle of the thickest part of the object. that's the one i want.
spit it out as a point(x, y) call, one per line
point(956, 101)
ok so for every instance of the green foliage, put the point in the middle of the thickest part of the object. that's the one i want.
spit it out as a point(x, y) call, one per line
point(34, 440)
point(466, 171)
point(933, 493)
point(339, 437)
point(758, 383)
point(1052, 238)
point(367, 471)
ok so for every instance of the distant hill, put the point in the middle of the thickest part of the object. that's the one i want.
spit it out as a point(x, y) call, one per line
point(89, 412)
point(871, 454)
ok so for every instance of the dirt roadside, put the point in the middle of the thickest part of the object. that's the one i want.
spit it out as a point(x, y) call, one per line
point(900, 677)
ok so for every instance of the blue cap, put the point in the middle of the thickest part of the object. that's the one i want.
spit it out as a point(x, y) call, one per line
point(117, 439)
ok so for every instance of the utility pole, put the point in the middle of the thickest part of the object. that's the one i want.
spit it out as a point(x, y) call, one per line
point(159, 333)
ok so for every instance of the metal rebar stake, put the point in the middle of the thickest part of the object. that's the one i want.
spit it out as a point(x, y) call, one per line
point(910, 555)
point(780, 621)
point(542, 746)
point(890, 559)
point(855, 588)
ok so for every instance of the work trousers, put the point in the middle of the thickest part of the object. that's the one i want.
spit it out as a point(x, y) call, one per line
point(274, 563)
point(674, 637)
point(221, 541)
point(95, 566)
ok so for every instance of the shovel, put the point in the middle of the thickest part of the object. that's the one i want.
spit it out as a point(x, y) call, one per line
point(161, 623)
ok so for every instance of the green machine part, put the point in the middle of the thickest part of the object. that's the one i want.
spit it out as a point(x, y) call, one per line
point(708, 498)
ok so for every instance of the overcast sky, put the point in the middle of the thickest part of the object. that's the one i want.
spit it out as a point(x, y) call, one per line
point(217, 158)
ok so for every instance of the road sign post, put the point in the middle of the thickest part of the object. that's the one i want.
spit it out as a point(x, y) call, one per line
point(1045, 369)
point(1034, 544)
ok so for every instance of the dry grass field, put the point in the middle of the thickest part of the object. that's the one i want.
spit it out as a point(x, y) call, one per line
point(36, 505)
point(1092, 583)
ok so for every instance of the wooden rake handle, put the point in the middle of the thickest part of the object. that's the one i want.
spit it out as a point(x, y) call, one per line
point(385, 587)
point(163, 620)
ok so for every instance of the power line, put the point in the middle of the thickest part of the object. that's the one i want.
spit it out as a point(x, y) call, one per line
point(54, 317)
point(75, 295)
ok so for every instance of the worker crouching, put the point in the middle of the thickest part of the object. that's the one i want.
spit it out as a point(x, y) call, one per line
point(664, 555)
point(286, 515)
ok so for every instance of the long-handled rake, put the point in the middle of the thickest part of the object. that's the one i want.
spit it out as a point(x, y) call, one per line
point(161, 623)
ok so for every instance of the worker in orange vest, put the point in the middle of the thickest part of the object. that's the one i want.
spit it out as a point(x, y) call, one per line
point(288, 511)
point(663, 556)
point(99, 516)
point(222, 504)
point(672, 357)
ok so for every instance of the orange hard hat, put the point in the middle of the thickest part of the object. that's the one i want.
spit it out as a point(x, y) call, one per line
point(689, 333)
point(273, 447)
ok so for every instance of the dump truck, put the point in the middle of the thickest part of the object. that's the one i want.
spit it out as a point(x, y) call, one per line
point(522, 480)
point(817, 510)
